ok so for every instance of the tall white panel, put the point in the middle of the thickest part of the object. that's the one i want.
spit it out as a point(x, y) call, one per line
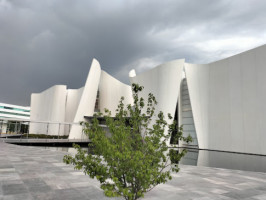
point(236, 105)
point(250, 101)
point(198, 86)
point(219, 106)
point(48, 106)
point(72, 103)
point(164, 82)
point(260, 61)
point(87, 100)
point(110, 92)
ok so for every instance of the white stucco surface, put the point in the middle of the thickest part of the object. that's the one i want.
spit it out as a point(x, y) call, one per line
point(228, 102)
point(197, 80)
point(163, 82)
point(69, 106)
point(48, 106)
point(72, 103)
point(111, 90)
point(87, 100)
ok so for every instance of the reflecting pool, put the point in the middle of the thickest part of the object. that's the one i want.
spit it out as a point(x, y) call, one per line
point(207, 158)
point(225, 160)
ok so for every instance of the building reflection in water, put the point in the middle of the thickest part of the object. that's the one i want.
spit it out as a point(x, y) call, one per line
point(206, 158)
point(225, 160)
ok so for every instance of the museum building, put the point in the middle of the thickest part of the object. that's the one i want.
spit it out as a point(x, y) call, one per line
point(222, 105)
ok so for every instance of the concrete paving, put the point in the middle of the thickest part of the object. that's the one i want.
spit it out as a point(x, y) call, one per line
point(37, 173)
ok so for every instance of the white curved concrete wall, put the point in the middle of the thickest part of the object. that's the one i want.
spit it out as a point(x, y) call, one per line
point(87, 100)
point(59, 105)
point(163, 82)
point(48, 106)
point(228, 102)
point(198, 86)
point(72, 102)
point(110, 92)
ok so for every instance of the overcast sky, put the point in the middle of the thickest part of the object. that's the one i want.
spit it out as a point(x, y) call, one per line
point(44, 43)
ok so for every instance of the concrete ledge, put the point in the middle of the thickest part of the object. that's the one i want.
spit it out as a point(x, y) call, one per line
point(48, 142)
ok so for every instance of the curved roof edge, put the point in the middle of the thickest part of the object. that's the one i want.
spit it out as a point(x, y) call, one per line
point(49, 89)
point(132, 73)
point(102, 71)
point(238, 54)
point(95, 64)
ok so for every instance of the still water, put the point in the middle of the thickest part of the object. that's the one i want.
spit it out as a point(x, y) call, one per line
point(225, 160)
point(207, 158)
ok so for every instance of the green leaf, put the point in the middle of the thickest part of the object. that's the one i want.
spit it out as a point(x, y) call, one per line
point(133, 157)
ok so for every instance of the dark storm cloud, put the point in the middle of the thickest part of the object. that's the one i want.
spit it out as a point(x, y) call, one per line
point(43, 43)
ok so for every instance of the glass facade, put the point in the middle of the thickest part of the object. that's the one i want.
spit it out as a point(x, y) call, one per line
point(15, 109)
point(17, 114)
point(13, 119)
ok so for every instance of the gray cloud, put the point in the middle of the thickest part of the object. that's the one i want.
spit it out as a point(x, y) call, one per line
point(43, 43)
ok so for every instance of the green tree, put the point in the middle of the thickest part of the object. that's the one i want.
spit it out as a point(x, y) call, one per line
point(134, 157)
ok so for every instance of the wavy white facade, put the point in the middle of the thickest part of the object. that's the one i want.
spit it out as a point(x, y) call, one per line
point(220, 104)
point(48, 106)
point(61, 105)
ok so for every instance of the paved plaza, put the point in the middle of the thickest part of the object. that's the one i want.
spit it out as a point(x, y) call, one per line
point(37, 173)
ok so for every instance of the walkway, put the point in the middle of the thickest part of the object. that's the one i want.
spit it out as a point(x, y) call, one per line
point(36, 173)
